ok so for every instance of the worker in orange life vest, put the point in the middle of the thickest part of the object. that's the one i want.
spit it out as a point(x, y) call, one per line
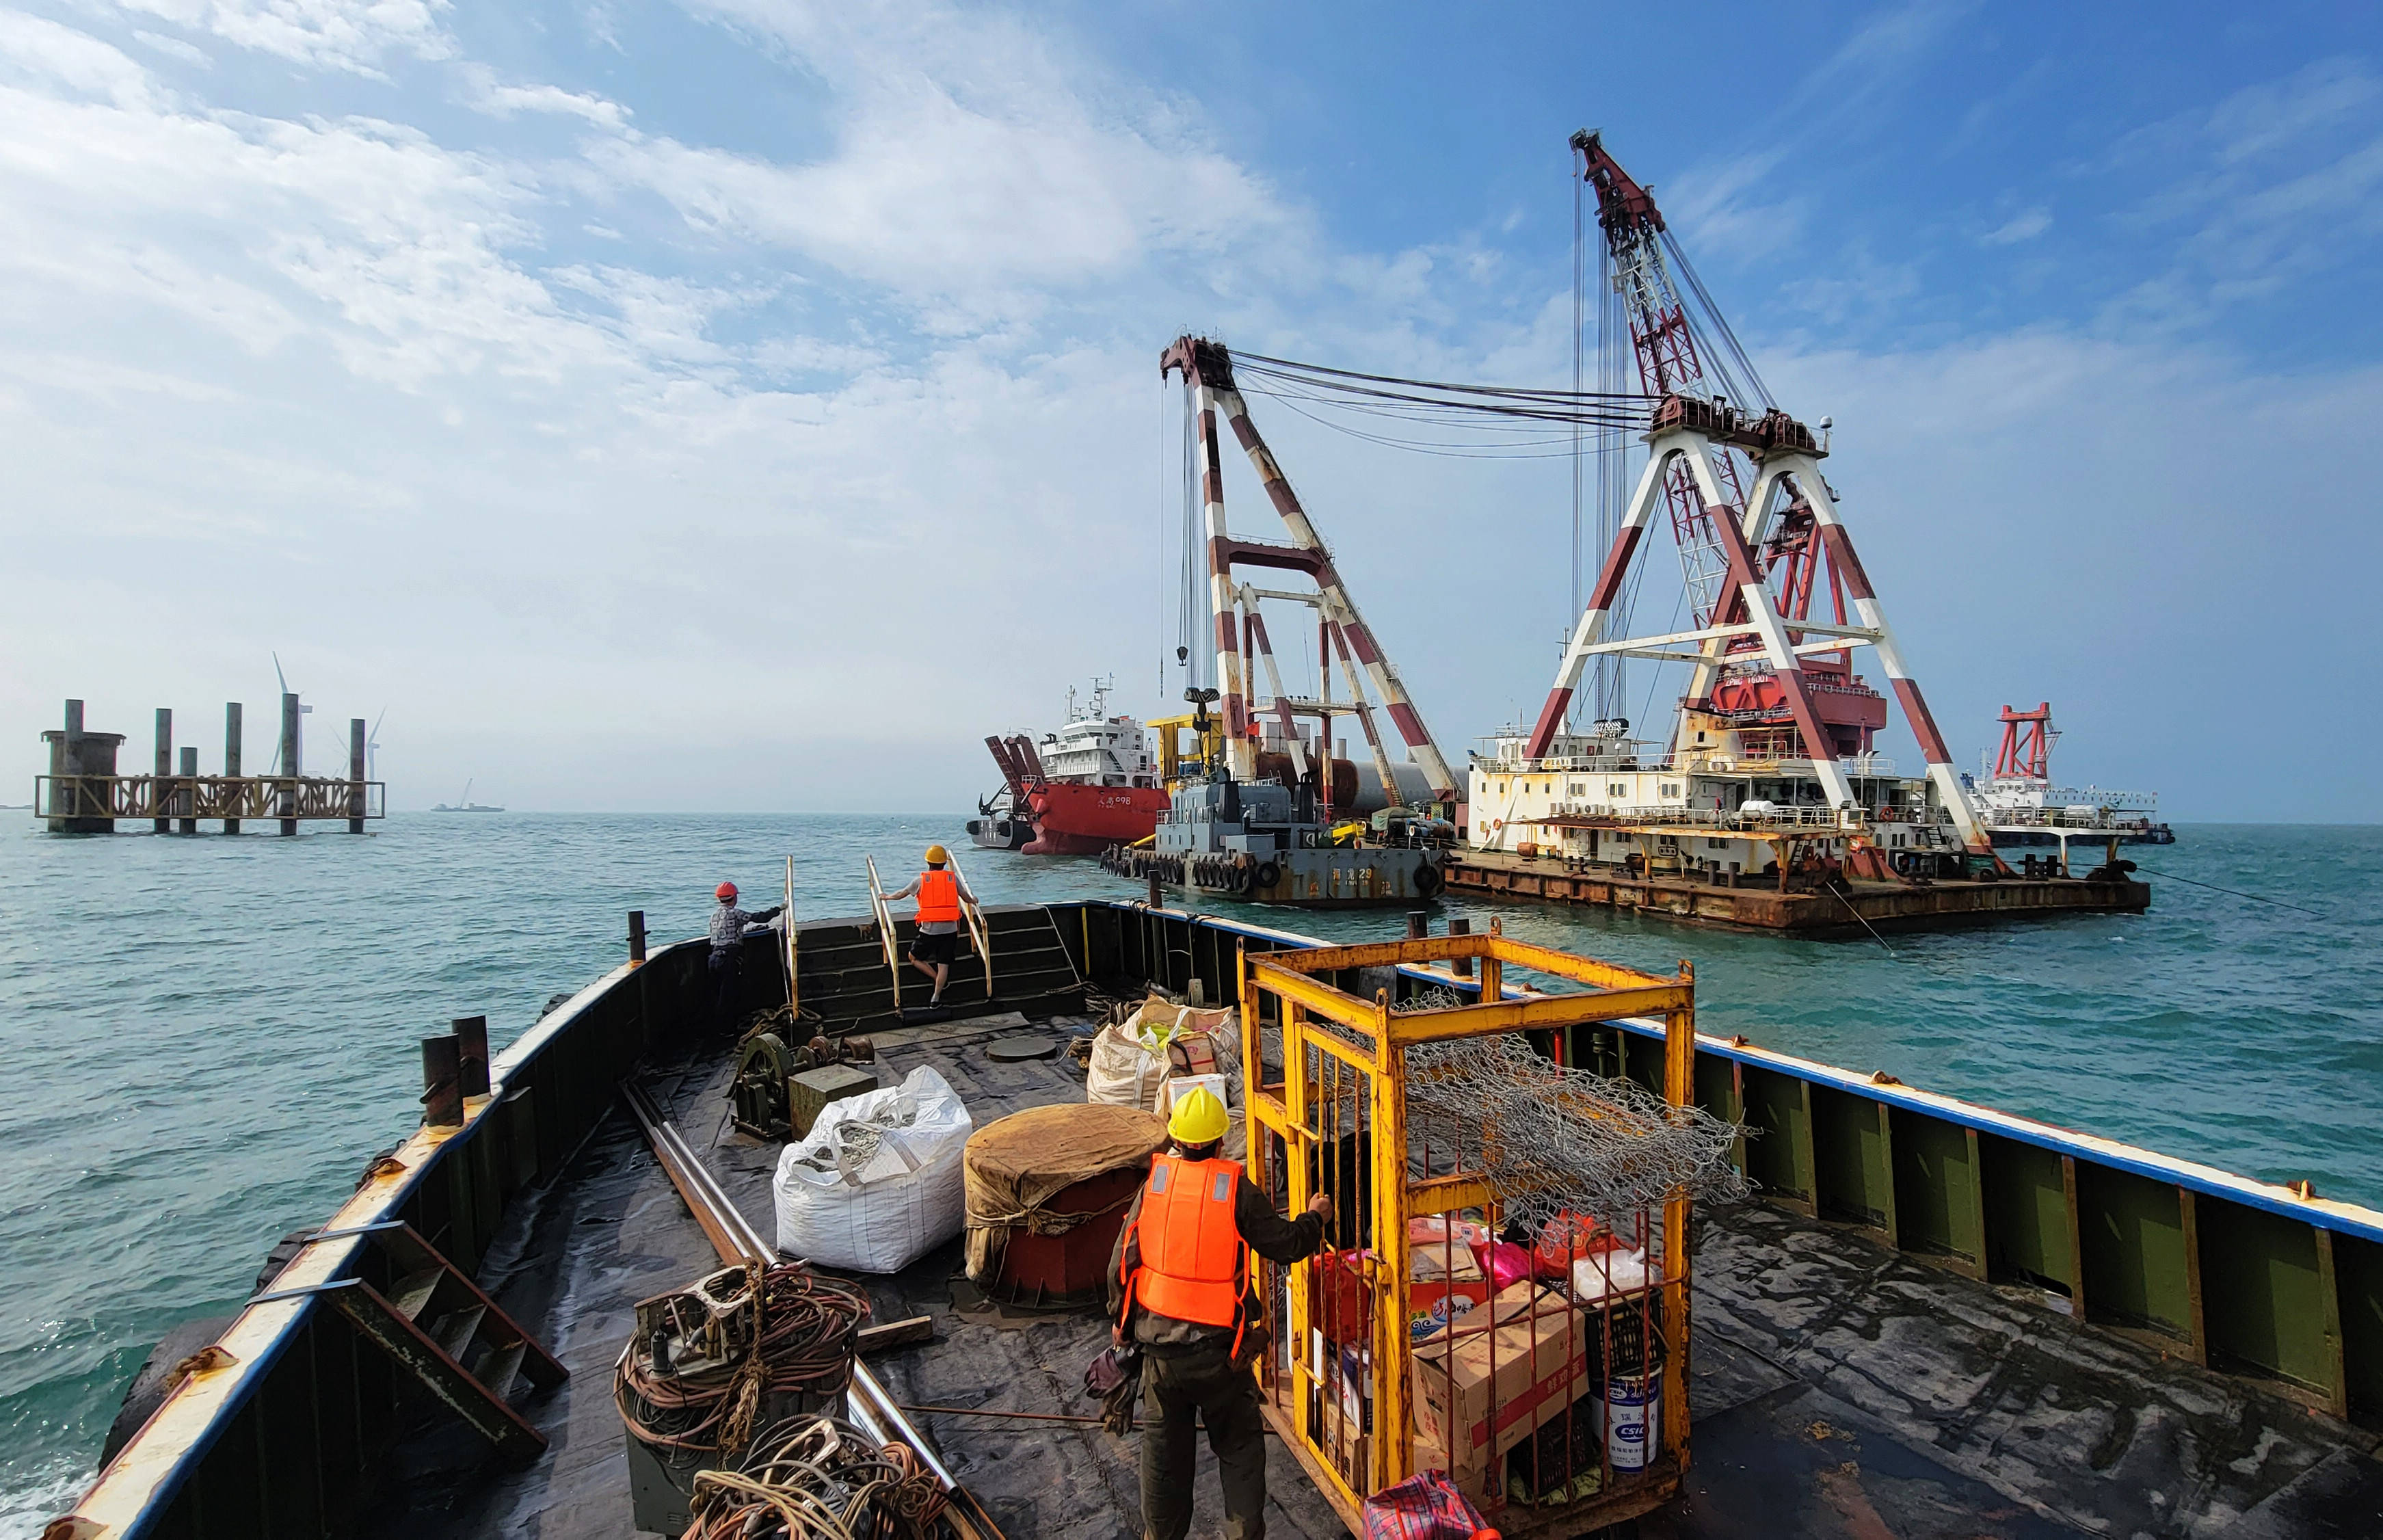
point(1180, 1282)
point(939, 891)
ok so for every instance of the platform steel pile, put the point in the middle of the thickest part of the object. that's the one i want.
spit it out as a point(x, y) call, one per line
point(1362, 1378)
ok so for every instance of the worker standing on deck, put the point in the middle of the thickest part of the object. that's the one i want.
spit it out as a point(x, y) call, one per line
point(940, 894)
point(1180, 1282)
point(729, 926)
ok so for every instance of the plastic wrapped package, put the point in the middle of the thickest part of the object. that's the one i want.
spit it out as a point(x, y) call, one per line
point(1135, 1062)
point(879, 1181)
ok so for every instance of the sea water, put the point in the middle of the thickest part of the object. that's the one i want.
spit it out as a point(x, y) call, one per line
point(203, 1039)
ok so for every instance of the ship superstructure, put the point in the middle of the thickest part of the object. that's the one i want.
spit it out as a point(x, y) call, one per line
point(2018, 803)
point(1093, 749)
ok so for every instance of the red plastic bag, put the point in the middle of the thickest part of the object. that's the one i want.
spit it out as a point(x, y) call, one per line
point(1502, 1263)
point(1425, 1506)
point(1342, 1296)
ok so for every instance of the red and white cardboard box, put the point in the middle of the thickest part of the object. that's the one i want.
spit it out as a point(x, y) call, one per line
point(1495, 1377)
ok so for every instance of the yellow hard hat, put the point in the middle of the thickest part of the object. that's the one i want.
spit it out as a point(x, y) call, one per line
point(937, 855)
point(1198, 1118)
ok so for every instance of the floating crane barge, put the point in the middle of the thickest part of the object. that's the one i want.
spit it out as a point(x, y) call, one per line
point(1768, 805)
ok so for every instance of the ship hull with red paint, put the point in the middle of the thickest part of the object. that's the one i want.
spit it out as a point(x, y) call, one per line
point(1075, 819)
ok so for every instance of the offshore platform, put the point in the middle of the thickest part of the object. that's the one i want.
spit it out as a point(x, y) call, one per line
point(83, 793)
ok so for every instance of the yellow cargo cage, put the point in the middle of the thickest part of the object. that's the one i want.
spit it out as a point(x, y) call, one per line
point(1548, 1378)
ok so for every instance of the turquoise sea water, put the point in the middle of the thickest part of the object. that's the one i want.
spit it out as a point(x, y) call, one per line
point(205, 1039)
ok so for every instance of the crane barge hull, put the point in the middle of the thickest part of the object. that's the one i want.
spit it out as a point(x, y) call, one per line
point(1829, 908)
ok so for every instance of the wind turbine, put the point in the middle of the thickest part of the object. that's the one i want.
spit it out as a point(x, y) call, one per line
point(305, 710)
point(372, 746)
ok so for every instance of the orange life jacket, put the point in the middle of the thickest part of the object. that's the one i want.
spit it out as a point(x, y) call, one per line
point(1192, 1260)
point(939, 896)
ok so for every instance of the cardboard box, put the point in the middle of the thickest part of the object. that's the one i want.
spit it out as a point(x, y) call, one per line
point(1494, 1378)
point(1181, 1086)
point(1444, 1279)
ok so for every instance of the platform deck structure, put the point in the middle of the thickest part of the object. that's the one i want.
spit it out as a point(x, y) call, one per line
point(234, 798)
point(1934, 1318)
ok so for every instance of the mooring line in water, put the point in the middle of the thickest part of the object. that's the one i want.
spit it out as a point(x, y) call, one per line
point(1865, 924)
point(2256, 898)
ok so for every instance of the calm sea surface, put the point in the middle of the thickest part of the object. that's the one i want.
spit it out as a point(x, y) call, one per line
point(205, 1039)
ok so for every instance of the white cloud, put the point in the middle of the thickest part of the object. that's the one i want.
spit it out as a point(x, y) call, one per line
point(175, 48)
point(42, 55)
point(498, 100)
point(354, 35)
point(2024, 226)
point(969, 160)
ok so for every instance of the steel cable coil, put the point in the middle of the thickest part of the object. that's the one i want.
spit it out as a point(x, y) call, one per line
point(801, 1343)
point(818, 1478)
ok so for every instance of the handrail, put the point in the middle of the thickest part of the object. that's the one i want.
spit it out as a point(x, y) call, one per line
point(885, 930)
point(973, 912)
point(786, 924)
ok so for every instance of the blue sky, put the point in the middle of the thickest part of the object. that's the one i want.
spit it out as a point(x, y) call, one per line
point(741, 403)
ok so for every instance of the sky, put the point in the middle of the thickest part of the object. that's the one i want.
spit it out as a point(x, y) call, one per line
point(746, 404)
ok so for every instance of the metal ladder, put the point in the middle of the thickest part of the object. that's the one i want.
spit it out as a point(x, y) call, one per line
point(444, 1329)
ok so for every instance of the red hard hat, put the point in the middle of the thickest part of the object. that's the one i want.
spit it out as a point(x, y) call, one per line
point(725, 890)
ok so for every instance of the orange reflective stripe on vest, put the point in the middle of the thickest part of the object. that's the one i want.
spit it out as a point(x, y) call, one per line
point(1190, 1248)
point(939, 896)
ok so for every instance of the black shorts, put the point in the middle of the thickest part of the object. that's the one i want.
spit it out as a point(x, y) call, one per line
point(936, 949)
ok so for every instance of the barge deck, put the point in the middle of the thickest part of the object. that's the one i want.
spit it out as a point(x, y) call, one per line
point(1843, 908)
point(1934, 1321)
point(1838, 1388)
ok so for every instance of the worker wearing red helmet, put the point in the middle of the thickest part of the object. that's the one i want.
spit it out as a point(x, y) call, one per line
point(1178, 1281)
point(730, 925)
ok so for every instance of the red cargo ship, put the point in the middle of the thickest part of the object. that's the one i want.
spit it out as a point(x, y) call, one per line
point(1091, 784)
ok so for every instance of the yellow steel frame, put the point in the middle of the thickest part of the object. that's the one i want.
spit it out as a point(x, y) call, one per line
point(1368, 1037)
point(1205, 745)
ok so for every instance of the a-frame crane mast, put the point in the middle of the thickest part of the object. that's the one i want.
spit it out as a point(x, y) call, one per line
point(1754, 561)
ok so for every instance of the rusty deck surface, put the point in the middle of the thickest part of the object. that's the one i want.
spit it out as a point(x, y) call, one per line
point(1757, 904)
point(1837, 1389)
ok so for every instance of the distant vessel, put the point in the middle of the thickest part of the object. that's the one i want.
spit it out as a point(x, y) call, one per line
point(2019, 805)
point(467, 804)
point(1090, 784)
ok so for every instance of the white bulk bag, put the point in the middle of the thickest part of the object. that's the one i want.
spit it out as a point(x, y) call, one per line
point(876, 1184)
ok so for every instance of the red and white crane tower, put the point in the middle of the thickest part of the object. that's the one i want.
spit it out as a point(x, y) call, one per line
point(1754, 561)
point(1239, 630)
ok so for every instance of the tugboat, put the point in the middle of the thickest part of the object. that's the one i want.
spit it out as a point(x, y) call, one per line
point(1003, 821)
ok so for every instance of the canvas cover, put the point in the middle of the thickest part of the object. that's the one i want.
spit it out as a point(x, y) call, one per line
point(1014, 1167)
